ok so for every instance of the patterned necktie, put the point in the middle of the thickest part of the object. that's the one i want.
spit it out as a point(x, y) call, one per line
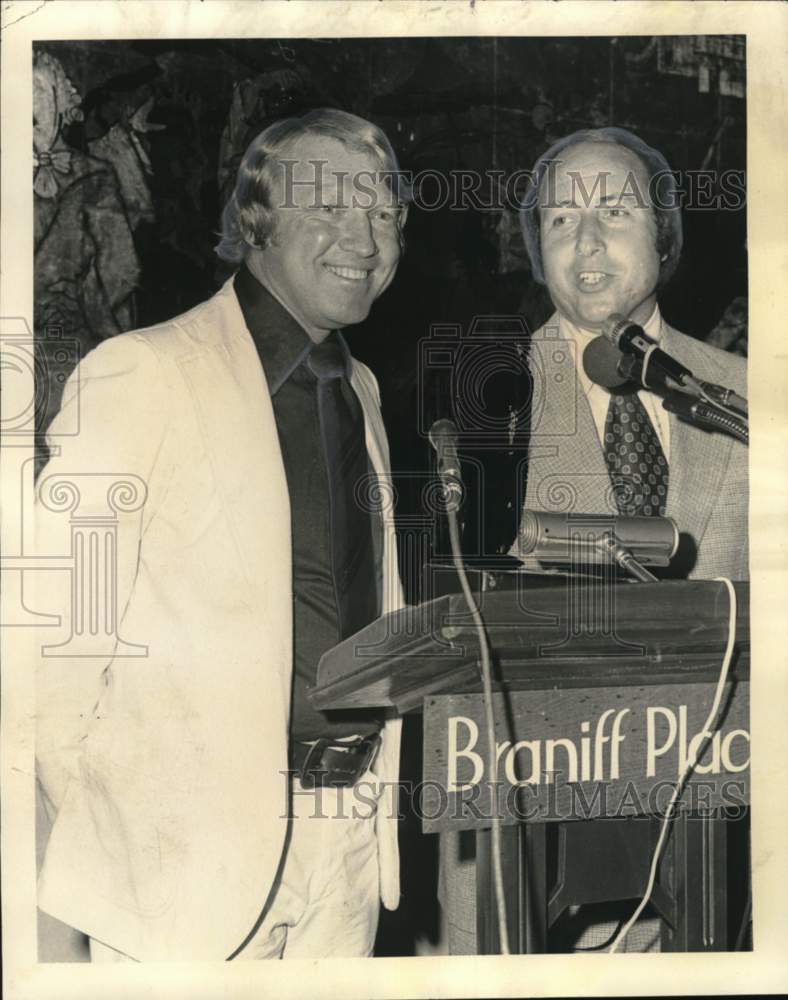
point(345, 453)
point(635, 459)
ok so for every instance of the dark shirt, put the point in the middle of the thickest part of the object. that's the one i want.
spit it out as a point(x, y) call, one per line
point(283, 346)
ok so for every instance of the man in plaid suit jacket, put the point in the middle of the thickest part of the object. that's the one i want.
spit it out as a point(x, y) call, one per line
point(602, 226)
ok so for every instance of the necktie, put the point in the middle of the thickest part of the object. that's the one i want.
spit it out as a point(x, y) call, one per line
point(635, 459)
point(345, 454)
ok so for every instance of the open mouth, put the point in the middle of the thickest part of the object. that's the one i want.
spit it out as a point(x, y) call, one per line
point(592, 279)
point(350, 273)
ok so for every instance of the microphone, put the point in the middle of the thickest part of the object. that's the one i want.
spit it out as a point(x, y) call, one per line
point(706, 415)
point(605, 365)
point(582, 538)
point(443, 437)
point(660, 370)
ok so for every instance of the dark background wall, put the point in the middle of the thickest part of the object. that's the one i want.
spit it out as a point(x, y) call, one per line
point(447, 104)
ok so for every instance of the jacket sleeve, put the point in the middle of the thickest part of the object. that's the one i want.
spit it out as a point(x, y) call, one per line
point(103, 481)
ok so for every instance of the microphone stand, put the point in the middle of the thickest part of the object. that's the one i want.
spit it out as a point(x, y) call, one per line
point(625, 558)
point(726, 398)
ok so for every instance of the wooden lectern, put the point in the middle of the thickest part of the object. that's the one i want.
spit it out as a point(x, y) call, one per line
point(600, 689)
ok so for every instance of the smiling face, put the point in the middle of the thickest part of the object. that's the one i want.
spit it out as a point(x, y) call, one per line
point(598, 234)
point(336, 242)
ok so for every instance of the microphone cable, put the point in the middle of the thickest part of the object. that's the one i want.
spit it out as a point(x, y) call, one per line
point(689, 767)
point(484, 650)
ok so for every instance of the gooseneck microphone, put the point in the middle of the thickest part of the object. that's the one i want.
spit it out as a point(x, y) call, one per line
point(444, 437)
point(625, 353)
point(659, 369)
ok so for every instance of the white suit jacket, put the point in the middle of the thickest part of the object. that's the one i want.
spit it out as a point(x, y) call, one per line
point(708, 482)
point(166, 771)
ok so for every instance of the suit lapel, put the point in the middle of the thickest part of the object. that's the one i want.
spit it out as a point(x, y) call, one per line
point(390, 594)
point(239, 431)
point(566, 466)
point(698, 459)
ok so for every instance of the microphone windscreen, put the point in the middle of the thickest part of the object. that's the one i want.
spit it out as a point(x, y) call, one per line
point(601, 362)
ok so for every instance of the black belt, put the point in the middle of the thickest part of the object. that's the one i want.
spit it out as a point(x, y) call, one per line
point(333, 763)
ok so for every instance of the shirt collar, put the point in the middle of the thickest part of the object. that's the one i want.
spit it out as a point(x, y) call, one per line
point(281, 342)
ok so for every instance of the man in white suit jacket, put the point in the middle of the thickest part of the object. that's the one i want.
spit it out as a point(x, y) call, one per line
point(602, 226)
point(166, 774)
